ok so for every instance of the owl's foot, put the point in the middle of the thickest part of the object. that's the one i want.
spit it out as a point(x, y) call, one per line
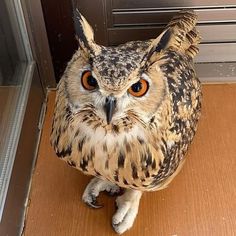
point(125, 215)
point(93, 189)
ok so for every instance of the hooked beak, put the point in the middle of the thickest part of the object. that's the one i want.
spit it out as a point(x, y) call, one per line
point(109, 107)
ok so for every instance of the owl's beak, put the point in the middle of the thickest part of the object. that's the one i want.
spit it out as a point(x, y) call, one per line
point(109, 107)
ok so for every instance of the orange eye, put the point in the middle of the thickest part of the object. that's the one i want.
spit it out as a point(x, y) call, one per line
point(139, 89)
point(88, 81)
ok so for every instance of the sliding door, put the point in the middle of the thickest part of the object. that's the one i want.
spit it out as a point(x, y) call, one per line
point(21, 99)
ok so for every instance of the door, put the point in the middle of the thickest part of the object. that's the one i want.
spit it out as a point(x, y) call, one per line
point(116, 22)
point(22, 94)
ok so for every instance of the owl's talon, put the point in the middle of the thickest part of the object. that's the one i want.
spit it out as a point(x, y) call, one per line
point(91, 201)
point(94, 204)
point(93, 189)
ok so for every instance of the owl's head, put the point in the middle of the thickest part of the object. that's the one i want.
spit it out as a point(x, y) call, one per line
point(115, 83)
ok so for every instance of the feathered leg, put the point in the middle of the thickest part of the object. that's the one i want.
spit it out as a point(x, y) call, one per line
point(125, 215)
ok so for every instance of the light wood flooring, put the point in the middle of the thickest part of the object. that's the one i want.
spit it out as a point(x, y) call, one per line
point(201, 201)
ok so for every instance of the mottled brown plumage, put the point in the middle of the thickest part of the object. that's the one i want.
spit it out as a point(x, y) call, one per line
point(144, 144)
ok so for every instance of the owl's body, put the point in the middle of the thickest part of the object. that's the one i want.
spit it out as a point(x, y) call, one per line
point(143, 145)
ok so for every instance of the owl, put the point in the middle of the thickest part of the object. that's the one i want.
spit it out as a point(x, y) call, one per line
point(127, 114)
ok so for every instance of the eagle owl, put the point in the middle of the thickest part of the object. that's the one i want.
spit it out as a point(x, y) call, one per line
point(127, 114)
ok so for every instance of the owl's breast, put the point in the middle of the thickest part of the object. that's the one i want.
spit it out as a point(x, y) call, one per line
point(127, 158)
point(128, 154)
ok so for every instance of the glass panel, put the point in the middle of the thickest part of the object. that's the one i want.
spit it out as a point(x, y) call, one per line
point(15, 69)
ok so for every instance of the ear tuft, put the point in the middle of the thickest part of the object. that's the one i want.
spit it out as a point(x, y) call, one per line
point(164, 41)
point(158, 45)
point(84, 32)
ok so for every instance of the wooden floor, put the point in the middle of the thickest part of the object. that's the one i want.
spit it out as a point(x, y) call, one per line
point(201, 201)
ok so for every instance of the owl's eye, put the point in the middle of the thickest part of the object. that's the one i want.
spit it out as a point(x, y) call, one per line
point(88, 81)
point(139, 89)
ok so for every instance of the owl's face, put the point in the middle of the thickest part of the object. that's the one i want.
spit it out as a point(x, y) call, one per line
point(114, 84)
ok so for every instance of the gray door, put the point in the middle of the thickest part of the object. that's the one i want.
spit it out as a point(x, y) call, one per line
point(120, 21)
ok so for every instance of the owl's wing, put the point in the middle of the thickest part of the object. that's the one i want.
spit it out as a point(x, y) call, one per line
point(172, 51)
point(61, 137)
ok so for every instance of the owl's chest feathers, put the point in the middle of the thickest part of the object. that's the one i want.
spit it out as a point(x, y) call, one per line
point(109, 141)
point(126, 154)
